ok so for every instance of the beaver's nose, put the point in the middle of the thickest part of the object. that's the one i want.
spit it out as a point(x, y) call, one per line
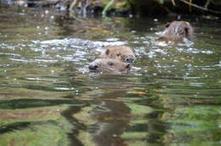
point(129, 60)
point(92, 67)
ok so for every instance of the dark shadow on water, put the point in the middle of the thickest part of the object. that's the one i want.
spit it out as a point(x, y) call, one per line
point(68, 114)
point(31, 103)
point(14, 126)
point(22, 126)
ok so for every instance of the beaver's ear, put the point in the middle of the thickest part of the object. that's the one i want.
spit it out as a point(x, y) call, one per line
point(107, 51)
point(167, 25)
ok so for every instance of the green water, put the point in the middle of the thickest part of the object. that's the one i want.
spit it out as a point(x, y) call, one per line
point(49, 98)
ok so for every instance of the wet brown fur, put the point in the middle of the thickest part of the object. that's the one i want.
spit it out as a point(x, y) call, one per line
point(109, 66)
point(176, 31)
point(122, 53)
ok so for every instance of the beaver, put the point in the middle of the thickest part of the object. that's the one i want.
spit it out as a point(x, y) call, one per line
point(109, 65)
point(122, 53)
point(176, 31)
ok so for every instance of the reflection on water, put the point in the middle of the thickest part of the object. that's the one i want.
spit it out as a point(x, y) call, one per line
point(48, 97)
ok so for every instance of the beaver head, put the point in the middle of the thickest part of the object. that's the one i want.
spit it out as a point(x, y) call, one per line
point(122, 53)
point(109, 66)
point(176, 31)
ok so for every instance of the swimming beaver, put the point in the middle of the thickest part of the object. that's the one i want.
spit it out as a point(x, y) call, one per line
point(109, 66)
point(176, 31)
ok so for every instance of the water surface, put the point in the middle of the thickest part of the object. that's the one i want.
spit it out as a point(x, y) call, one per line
point(48, 97)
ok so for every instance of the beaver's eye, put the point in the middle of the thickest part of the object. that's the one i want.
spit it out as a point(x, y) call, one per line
point(110, 63)
point(118, 54)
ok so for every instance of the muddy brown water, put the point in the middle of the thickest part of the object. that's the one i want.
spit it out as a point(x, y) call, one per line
point(48, 97)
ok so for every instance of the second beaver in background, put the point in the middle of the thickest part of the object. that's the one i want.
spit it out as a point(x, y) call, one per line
point(177, 31)
point(122, 53)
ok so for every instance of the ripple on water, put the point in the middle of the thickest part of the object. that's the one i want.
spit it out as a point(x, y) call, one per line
point(194, 50)
point(34, 60)
point(163, 101)
point(80, 42)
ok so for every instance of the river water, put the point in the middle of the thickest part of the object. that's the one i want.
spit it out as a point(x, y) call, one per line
point(49, 98)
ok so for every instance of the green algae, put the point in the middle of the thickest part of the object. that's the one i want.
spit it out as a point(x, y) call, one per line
point(47, 134)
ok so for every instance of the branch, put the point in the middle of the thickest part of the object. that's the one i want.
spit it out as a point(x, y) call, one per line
point(173, 2)
point(108, 6)
point(207, 3)
point(201, 8)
